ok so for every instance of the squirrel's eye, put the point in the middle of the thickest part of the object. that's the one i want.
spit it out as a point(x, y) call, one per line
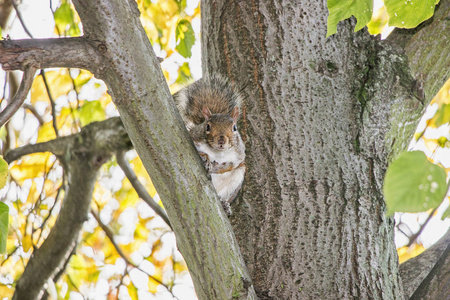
point(208, 127)
point(234, 127)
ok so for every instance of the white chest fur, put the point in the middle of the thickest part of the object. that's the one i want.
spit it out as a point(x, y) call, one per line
point(226, 184)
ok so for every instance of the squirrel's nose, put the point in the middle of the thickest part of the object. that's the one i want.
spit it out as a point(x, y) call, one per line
point(221, 140)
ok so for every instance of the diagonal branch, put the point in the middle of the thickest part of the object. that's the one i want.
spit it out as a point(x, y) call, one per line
point(20, 96)
point(19, 15)
point(140, 189)
point(415, 271)
point(77, 52)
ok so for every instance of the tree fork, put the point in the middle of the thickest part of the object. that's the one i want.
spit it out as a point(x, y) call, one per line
point(138, 88)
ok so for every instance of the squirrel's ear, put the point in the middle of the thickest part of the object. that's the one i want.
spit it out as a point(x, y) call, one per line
point(235, 114)
point(206, 113)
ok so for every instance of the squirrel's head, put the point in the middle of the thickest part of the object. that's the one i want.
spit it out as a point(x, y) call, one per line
point(221, 129)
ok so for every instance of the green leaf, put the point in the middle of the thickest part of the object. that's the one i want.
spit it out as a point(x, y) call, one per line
point(343, 9)
point(64, 20)
point(413, 184)
point(91, 111)
point(446, 213)
point(184, 74)
point(3, 172)
point(181, 5)
point(441, 117)
point(63, 16)
point(185, 37)
point(4, 220)
point(409, 13)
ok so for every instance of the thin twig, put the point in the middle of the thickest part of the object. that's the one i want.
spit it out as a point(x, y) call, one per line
point(49, 214)
point(35, 113)
point(110, 236)
point(52, 102)
point(19, 15)
point(414, 237)
point(140, 189)
point(47, 88)
point(20, 96)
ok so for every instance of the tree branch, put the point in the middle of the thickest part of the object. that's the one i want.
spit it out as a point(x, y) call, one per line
point(56, 147)
point(52, 102)
point(427, 49)
point(414, 237)
point(20, 96)
point(419, 272)
point(77, 52)
point(35, 113)
point(140, 189)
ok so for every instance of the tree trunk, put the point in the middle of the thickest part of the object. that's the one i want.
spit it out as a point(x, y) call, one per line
point(322, 118)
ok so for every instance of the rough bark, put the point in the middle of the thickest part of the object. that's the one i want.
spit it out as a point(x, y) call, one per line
point(436, 284)
point(82, 155)
point(76, 52)
point(138, 89)
point(428, 50)
point(323, 118)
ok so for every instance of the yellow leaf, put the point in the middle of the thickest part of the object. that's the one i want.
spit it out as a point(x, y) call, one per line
point(3, 172)
point(59, 83)
point(31, 166)
point(6, 292)
point(180, 266)
point(132, 290)
point(442, 115)
point(431, 144)
point(152, 285)
point(82, 78)
point(46, 132)
point(33, 193)
point(405, 253)
point(38, 91)
point(26, 243)
point(142, 174)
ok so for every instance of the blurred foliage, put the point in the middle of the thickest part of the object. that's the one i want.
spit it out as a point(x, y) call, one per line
point(131, 251)
point(396, 13)
point(185, 38)
point(405, 253)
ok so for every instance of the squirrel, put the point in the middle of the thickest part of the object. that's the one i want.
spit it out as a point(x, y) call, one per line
point(210, 110)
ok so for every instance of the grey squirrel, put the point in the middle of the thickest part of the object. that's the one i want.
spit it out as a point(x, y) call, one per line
point(210, 110)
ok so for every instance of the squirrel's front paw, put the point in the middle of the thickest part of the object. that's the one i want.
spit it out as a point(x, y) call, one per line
point(226, 207)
